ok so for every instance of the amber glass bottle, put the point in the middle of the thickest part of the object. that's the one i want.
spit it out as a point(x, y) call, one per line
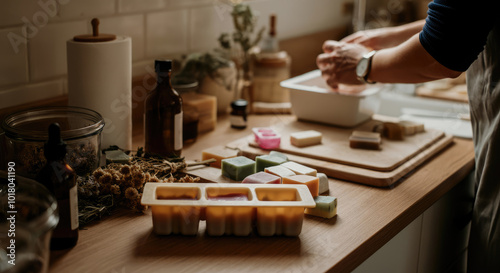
point(60, 179)
point(163, 116)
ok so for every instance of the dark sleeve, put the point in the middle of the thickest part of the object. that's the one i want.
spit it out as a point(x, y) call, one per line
point(455, 31)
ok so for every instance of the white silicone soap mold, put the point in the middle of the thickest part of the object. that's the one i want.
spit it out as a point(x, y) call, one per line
point(274, 209)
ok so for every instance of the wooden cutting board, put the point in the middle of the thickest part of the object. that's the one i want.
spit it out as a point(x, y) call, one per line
point(334, 170)
point(335, 146)
point(456, 93)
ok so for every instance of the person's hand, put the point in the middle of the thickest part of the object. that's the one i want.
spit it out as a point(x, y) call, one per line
point(375, 39)
point(338, 63)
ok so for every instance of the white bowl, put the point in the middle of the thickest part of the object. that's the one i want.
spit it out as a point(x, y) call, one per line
point(313, 100)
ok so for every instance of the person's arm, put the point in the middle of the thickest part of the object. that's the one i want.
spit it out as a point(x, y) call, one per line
point(453, 36)
point(408, 63)
point(385, 37)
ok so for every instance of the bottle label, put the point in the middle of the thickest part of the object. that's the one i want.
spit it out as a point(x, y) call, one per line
point(239, 121)
point(178, 131)
point(73, 207)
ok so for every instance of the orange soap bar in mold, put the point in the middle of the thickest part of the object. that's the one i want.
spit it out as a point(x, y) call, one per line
point(312, 182)
point(229, 209)
point(218, 153)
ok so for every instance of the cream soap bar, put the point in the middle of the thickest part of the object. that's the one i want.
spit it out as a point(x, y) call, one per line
point(264, 161)
point(237, 168)
point(279, 171)
point(312, 182)
point(218, 153)
point(326, 207)
point(411, 128)
point(299, 168)
point(305, 138)
point(323, 183)
point(262, 178)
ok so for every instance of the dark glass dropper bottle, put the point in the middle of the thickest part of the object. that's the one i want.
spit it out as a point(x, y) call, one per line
point(60, 179)
point(163, 116)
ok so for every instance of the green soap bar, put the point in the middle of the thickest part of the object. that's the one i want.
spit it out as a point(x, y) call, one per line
point(326, 207)
point(117, 156)
point(264, 161)
point(237, 168)
point(282, 155)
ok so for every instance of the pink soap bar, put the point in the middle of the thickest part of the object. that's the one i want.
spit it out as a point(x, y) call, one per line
point(262, 178)
point(267, 138)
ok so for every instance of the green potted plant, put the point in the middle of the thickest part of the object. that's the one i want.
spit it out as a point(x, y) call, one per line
point(215, 74)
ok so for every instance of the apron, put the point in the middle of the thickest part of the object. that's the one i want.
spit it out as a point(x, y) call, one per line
point(484, 99)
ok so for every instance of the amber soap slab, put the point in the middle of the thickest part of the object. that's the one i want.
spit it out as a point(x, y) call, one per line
point(229, 209)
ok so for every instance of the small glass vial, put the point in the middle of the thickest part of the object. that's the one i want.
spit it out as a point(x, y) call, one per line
point(238, 116)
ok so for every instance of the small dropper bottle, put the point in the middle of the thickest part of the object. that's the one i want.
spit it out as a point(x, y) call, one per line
point(60, 179)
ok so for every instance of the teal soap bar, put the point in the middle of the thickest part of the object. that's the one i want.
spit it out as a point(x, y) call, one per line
point(264, 161)
point(237, 168)
point(326, 207)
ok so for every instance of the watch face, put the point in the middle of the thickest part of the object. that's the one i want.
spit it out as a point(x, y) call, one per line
point(361, 67)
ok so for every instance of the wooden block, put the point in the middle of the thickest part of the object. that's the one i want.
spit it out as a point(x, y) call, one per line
point(305, 138)
point(365, 140)
point(206, 106)
point(218, 153)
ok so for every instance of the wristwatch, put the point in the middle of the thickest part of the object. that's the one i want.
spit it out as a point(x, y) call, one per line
point(364, 66)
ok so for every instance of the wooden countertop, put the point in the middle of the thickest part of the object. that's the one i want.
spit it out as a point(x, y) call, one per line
point(367, 218)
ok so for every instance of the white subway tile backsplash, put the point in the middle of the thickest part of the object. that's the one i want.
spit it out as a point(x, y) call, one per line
point(191, 3)
point(125, 6)
point(300, 17)
point(167, 32)
point(207, 23)
point(128, 25)
point(80, 9)
point(39, 29)
point(30, 93)
point(47, 49)
point(13, 56)
point(12, 12)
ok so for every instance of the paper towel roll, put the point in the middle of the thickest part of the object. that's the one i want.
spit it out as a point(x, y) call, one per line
point(100, 78)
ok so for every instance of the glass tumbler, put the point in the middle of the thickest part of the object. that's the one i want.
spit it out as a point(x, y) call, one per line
point(28, 214)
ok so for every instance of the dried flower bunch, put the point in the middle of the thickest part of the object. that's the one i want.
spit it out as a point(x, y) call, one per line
point(123, 184)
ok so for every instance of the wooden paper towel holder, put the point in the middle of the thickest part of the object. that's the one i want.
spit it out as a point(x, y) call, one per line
point(95, 37)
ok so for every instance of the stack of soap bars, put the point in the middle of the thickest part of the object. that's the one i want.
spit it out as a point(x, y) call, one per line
point(275, 168)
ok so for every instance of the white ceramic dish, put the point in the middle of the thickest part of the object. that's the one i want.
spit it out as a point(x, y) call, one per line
point(313, 100)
